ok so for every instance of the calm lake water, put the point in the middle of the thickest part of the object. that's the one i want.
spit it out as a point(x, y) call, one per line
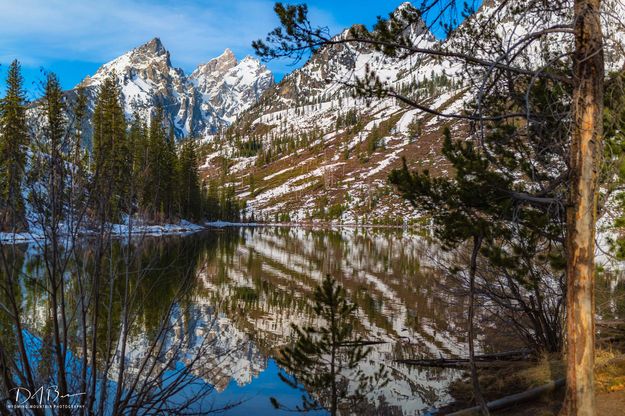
point(235, 293)
point(261, 281)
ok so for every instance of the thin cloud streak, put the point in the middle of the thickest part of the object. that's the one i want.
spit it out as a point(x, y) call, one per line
point(37, 31)
point(42, 32)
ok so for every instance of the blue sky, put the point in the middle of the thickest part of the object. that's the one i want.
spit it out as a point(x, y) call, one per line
point(74, 37)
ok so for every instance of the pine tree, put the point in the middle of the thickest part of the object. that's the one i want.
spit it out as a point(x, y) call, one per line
point(325, 358)
point(138, 143)
point(229, 205)
point(415, 129)
point(13, 142)
point(79, 141)
point(152, 187)
point(78, 154)
point(111, 163)
point(251, 180)
point(211, 205)
point(585, 161)
point(189, 181)
point(170, 178)
point(161, 171)
point(57, 147)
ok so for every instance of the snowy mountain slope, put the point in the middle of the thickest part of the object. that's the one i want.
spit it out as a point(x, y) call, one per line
point(147, 79)
point(310, 150)
point(307, 148)
point(228, 87)
point(330, 152)
point(196, 105)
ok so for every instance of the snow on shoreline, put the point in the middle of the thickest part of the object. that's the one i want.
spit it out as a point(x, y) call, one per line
point(224, 224)
point(117, 230)
point(296, 224)
point(182, 228)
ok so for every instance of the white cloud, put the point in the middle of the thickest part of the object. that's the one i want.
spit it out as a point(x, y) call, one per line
point(38, 31)
point(89, 33)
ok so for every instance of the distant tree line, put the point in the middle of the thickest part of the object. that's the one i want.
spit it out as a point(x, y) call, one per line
point(267, 146)
point(132, 167)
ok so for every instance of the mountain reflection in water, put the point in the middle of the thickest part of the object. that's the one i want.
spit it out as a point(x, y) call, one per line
point(244, 287)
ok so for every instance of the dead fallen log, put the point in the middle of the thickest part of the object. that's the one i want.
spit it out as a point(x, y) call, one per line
point(611, 323)
point(610, 340)
point(361, 343)
point(454, 364)
point(513, 399)
point(483, 360)
point(506, 355)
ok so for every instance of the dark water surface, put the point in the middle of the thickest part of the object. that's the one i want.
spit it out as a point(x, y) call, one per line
point(235, 293)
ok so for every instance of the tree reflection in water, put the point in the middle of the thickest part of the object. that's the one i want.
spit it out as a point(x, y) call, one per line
point(324, 358)
point(129, 335)
point(192, 324)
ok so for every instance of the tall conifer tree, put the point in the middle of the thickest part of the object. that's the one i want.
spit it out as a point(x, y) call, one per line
point(110, 151)
point(170, 177)
point(13, 142)
point(138, 142)
point(154, 178)
point(189, 187)
point(55, 137)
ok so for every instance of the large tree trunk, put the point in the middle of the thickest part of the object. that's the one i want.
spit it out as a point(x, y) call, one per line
point(586, 150)
point(477, 390)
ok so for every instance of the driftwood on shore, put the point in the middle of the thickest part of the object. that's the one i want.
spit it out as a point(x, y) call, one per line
point(362, 343)
point(613, 323)
point(483, 360)
point(611, 332)
point(513, 399)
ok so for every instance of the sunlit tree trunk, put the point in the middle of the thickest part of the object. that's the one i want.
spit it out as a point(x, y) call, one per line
point(586, 150)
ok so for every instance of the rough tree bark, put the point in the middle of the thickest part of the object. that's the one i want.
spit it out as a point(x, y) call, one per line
point(586, 150)
point(477, 391)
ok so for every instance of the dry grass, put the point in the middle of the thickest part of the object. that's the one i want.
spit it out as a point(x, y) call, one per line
point(610, 371)
point(521, 376)
point(511, 379)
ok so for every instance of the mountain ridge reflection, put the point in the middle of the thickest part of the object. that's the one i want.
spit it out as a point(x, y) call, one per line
point(244, 287)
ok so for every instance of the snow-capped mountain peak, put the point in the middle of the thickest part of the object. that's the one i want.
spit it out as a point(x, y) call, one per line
point(199, 104)
point(218, 65)
point(154, 46)
point(151, 55)
point(229, 87)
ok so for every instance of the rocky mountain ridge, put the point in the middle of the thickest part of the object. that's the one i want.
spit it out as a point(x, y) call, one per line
point(199, 104)
point(312, 150)
point(308, 148)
